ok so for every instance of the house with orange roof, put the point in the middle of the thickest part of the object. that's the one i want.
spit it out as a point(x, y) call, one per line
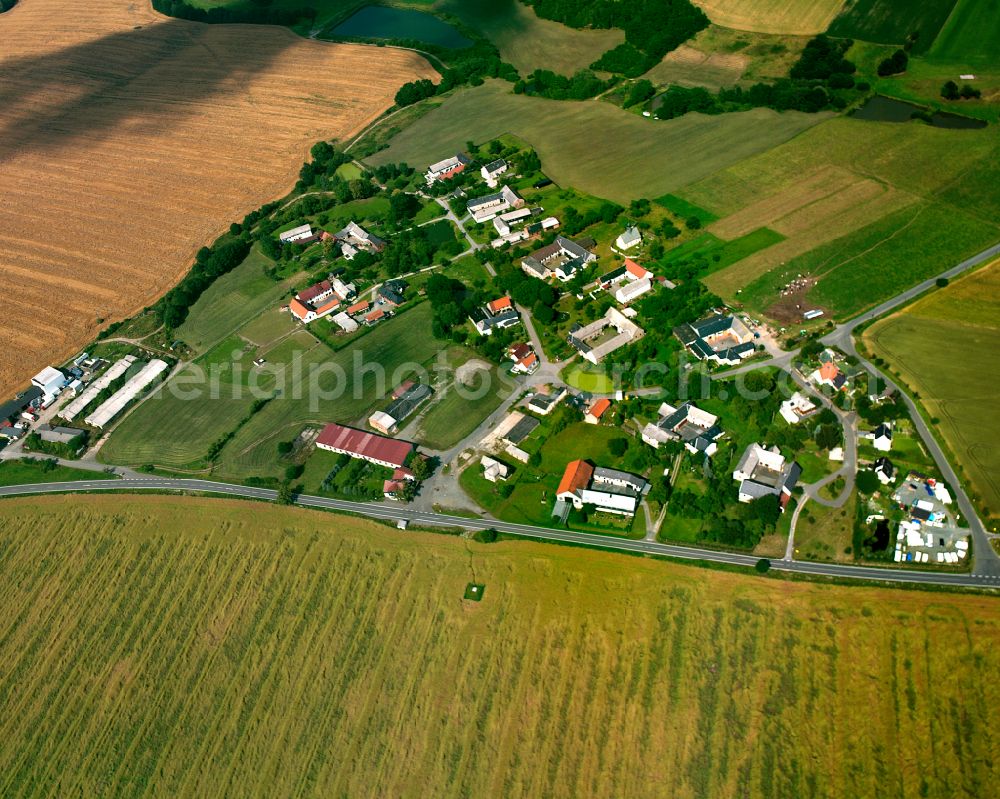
point(635, 271)
point(829, 374)
point(596, 410)
point(358, 307)
point(497, 314)
point(375, 316)
point(318, 300)
point(608, 490)
point(499, 304)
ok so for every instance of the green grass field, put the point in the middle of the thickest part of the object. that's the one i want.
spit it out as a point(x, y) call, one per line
point(970, 35)
point(531, 43)
point(954, 385)
point(192, 647)
point(231, 301)
point(456, 415)
point(842, 188)
point(890, 21)
point(859, 270)
point(638, 157)
point(22, 472)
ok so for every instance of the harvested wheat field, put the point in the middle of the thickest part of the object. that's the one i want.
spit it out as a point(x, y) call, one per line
point(796, 17)
point(129, 140)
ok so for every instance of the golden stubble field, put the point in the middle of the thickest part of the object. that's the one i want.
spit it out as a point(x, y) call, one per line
point(129, 140)
point(169, 646)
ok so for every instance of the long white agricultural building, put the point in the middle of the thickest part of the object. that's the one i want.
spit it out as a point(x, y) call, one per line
point(110, 409)
point(89, 394)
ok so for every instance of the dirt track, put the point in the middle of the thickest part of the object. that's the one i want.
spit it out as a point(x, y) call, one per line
point(128, 140)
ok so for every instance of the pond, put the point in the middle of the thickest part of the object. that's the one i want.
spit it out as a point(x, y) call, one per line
point(886, 109)
point(381, 22)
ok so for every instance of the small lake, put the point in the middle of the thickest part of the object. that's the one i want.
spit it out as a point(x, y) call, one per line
point(887, 109)
point(381, 22)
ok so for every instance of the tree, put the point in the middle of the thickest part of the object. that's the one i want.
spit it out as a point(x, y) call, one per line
point(692, 223)
point(867, 482)
point(618, 446)
point(969, 92)
point(767, 510)
point(420, 467)
point(950, 90)
point(285, 494)
point(284, 447)
point(543, 313)
point(762, 566)
point(641, 91)
point(294, 471)
point(828, 436)
point(894, 65)
point(941, 282)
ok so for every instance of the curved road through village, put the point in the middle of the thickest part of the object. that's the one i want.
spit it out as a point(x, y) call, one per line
point(397, 513)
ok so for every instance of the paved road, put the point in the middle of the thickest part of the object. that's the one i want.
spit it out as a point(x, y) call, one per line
point(393, 512)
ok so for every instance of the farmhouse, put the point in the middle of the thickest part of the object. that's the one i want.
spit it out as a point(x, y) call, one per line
point(483, 209)
point(405, 402)
point(796, 408)
point(447, 168)
point(764, 472)
point(884, 470)
point(722, 339)
point(630, 292)
point(367, 446)
point(630, 238)
point(358, 308)
point(503, 223)
point(544, 404)
point(51, 382)
point(698, 429)
point(497, 314)
point(354, 237)
point(494, 470)
point(303, 234)
point(596, 410)
point(13, 408)
point(391, 293)
point(524, 358)
point(492, 170)
point(600, 338)
point(609, 490)
point(563, 258)
point(58, 435)
point(316, 301)
point(829, 374)
point(882, 437)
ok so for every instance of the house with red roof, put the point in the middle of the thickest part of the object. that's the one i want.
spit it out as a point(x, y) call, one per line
point(373, 448)
point(829, 374)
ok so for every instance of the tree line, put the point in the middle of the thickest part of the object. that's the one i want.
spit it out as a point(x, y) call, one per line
point(652, 27)
point(260, 12)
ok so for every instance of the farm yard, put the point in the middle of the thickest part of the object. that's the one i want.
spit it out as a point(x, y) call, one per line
point(799, 17)
point(218, 650)
point(174, 431)
point(126, 100)
point(937, 345)
point(561, 132)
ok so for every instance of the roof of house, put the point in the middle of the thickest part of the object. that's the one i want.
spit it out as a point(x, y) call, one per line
point(391, 294)
point(328, 305)
point(613, 275)
point(498, 304)
point(15, 406)
point(495, 166)
point(375, 315)
point(299, 309)
point(576, 477)
point(599, 407)
point(314, 291)
point(828, 371)
point(883, 431)
point(521, 430)
point(635, 269)
point(631, 234)
point(358, 307)
point(366, 445)
point(884, 465)
point(520, 351)
point(528, 360)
